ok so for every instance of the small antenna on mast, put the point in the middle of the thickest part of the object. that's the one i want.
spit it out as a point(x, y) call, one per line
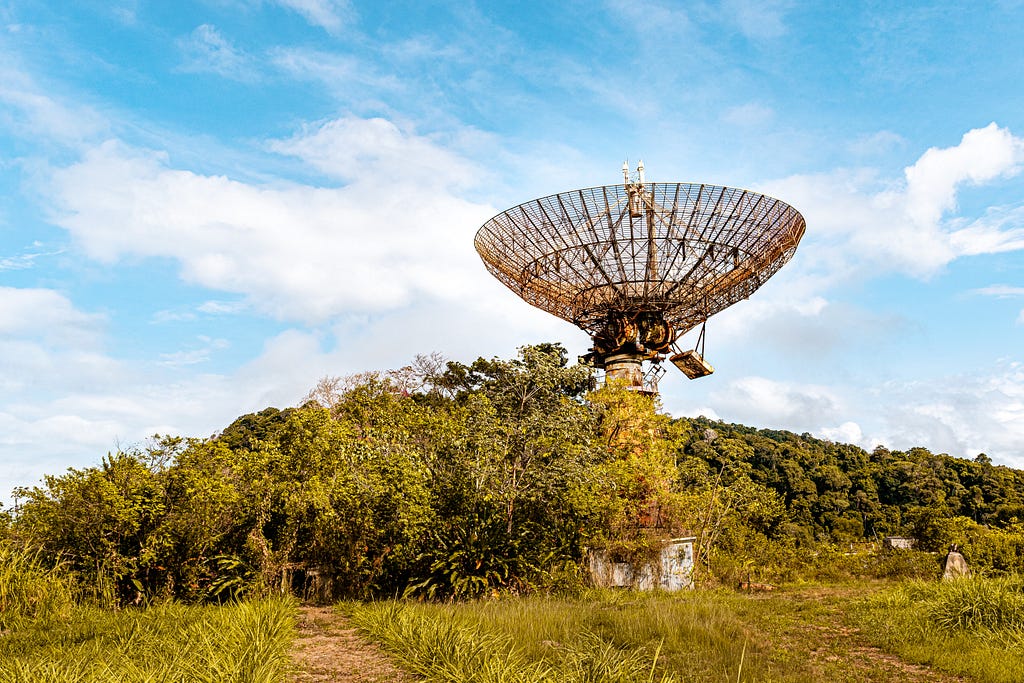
point(640, 171)
point(625, 171)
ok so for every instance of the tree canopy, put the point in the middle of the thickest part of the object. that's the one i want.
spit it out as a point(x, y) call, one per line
point(444, 479)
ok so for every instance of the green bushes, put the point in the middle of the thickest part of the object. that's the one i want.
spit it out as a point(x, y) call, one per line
point(456, 481)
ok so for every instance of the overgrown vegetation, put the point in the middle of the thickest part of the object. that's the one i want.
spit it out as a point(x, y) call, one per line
point(534, 640)
point(447, 480)
point(237, 643)
point(31, 591)
point(970, 626)
point(714, 636)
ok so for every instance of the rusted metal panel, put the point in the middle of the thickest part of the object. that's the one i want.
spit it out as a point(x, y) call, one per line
point(692, 364)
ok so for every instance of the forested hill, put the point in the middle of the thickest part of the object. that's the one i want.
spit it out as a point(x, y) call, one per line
point(842, 491)
point(444, 479)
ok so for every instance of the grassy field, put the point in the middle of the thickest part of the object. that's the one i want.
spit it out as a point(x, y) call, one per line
point(964, 630)
point(851, 633)
point(239, 643)
point(973, 627)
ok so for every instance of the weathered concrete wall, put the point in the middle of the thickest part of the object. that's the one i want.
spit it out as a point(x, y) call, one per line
point(898, 543)
point(672, 570)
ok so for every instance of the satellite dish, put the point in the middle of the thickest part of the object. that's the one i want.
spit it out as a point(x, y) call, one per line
point(638, 265)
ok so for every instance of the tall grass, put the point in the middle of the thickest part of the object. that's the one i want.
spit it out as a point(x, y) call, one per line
point(969, 626)
point(608, 636)
point(236, 643)
point(443, 650)
point(977, 604)
point(29, 590)
point(458, 650)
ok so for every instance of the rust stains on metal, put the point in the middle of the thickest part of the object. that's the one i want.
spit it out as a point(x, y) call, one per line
point(639, 264)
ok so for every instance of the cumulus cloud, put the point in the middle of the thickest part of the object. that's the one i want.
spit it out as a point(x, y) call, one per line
point(62, 407)
point(962, 415)
point(47, 315)
point(397, 230)
point(848, 432)
point(764, 401)
point(377, 152)
point(982, 155)
point(861, 220)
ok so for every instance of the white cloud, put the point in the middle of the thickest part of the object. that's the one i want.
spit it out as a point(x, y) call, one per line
point(848, 432)
point(1000, 291)
point(330, 15)
point(858, 220)
point(165, 316)
point(205, 50)
point(354, 80)
point(763, 401)
point(377, 152)
point(214, 307)
point(25, 260)
point(396, 231)
point(47, 315)
point(196, 355)
point(962, 415)
point(982, 155)
point(28, 109)
point(994, 233)
point(647, 15)
point(63, 408)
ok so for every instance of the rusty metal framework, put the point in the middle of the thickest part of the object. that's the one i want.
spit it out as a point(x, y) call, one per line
point(639, 264)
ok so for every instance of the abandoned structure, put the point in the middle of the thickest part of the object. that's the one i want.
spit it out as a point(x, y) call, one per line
point(640, 264)
point(670, 570)
point(898, 543)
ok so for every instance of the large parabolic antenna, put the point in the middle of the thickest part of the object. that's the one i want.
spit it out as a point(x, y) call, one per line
point(638, 265)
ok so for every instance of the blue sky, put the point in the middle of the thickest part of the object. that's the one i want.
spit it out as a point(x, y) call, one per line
point(207, 206)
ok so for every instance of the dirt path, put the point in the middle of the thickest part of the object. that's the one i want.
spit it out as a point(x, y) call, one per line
point(805, 626)
point(329, 649)
point(811, 625)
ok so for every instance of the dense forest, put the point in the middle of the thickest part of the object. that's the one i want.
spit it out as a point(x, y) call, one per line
point(443, 479)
